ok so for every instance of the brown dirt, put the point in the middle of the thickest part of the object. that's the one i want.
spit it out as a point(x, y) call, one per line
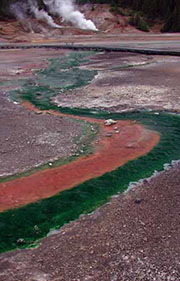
point(127, 142)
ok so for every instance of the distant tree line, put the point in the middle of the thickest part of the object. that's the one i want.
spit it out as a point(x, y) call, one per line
point(167, 10)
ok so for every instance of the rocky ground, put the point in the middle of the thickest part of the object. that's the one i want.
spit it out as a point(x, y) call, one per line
point(136, 235)
point(29, 139)
point(129, 82)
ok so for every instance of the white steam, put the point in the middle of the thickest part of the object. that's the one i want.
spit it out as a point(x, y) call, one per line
point(21, 10)
point(62, 8)
point(43, 15)
point(66, 10)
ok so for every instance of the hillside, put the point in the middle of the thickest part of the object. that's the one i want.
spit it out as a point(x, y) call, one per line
point(19, 17)
point(167, 11)
point(29, 29)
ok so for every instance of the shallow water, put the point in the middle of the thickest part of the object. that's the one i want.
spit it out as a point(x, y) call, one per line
point(84, 198)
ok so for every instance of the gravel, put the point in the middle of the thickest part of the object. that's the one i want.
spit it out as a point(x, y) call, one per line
point(29, 139)
point(120, 241)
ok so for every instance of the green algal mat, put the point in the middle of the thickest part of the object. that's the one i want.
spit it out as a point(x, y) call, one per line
point(22, 227)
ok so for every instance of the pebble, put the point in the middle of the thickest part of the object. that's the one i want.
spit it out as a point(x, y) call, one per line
point(109, 135)
point(109, 122)
point(138, 200)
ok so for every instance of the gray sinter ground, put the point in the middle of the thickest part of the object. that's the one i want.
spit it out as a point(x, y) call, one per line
point(129, 81)
point(29, 139)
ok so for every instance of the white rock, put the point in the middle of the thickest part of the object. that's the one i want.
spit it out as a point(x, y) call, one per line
point(109, 122)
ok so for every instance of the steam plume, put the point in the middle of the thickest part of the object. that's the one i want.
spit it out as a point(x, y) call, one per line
point(66, 10)
point(21, 9)
point(63, 8)
point(43, 15)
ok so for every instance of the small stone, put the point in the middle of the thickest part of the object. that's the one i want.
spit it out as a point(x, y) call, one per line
point(109, 122)
point(131, 145)
point(138, 200)
point(20, 241)
point(36, 229)
point(109, 135)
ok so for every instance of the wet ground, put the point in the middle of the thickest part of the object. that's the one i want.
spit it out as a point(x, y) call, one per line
point(113, 149)
point(29, 139)
point(136, 236)
point(129, 82)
